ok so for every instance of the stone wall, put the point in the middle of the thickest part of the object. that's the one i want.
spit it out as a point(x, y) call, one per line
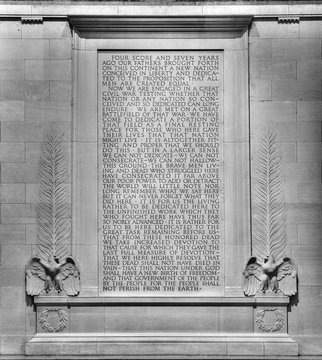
point(285, 90)
point(35, 90)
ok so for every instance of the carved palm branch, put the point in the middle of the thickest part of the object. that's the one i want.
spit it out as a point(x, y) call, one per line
point(269, 217)
point(54, 210)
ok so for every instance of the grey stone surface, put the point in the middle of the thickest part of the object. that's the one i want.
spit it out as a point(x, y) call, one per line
point(285, 73)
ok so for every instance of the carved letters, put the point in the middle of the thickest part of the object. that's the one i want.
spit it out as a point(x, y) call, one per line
point(160, 171)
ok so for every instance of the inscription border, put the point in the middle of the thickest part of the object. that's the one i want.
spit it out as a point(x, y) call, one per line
point(236, 145)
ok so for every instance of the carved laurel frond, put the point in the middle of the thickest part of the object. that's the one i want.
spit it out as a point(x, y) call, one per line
point(269, 216)
point(54, 209)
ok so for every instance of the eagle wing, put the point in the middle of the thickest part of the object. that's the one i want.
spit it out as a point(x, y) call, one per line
point(35, 277)
point(253, 275)
point(287, 277)
point(70, 276)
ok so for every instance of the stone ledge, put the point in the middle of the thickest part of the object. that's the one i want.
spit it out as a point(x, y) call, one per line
point(160, 346)
point(219, 301)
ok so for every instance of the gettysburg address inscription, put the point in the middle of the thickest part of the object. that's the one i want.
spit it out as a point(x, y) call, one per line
point(160, 154)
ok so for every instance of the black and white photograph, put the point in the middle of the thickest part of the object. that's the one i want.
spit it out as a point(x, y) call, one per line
point(160, 180)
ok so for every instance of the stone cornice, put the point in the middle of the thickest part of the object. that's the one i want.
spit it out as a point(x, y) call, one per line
point(157, 26)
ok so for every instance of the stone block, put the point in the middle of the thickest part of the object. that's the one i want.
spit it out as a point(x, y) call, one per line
point(17, 173)
point(280, 349)
point(309, 345)
point(10, 29)
point(47, 29)
point(42, 349)
point(31, 234)
point(310, 295)
point(284, 69)
point(260, 89)
point(12, 193)
point(25, 90)
point(309, 69)
point(88, 319)
point(309, 151)
point(15, 254)
point(31, 131)
point(48, 111)
point(260, 68)
point(32, 193)
point(18, 213)
point(48, 69)
point(292, 233)
point(236, 319)
point(13, 345)
point(12, 69)
point(288, 150)
point(309, 111)
point(296, 49)
point(183, 319)
point(310, 320)
point(182, 349)
point(296, 90)
point(308, 131)
point(290, 191)
point(12, 110)
point(263, 112)
point(309, 275)
point(310, 29)
point(260, 48)
point(272, 29)
point(310, 234)
point(12, 275)
point(250, 349)
point(12, 295)
point(12, 152)
point(304, 213)
point(60, 90)
point(60, 49)
point(24, 49)
point(12, 234)
point(307, 255)
point(78, 349)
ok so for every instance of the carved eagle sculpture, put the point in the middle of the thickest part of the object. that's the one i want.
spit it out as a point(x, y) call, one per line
point(270, 276)
point(52, 275)
point(269, 269)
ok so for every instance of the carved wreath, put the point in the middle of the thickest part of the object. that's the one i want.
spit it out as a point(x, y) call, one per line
point(47, 326)
point(260, 320)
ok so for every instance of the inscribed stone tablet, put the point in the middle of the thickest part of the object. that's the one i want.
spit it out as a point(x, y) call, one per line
point(160, 161)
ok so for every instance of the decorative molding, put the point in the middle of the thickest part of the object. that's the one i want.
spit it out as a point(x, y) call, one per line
point(267, 300)
point(57, 324)
point(269, 214)
point(288, 19)
point(264, 325)
point(54, 209)
point(31, 19)
point(160, 27)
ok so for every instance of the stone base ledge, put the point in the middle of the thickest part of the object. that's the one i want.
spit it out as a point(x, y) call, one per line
point(264, 299)
point(163, 346)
